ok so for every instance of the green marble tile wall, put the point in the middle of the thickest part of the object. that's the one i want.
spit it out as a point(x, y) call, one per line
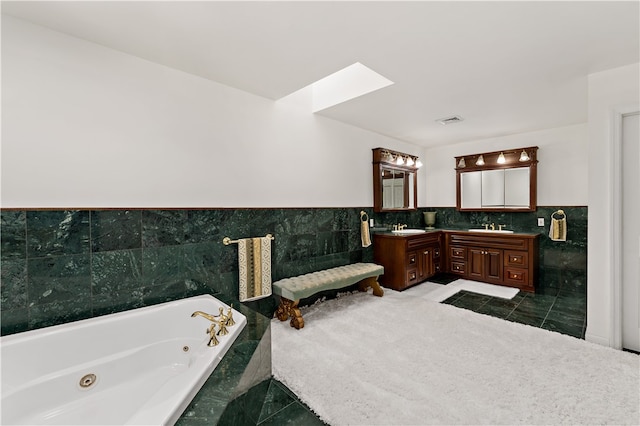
point(60, 266)
point(562, 264)
point(64, 265)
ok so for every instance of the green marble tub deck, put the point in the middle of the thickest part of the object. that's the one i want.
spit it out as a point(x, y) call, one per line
point(246, 365)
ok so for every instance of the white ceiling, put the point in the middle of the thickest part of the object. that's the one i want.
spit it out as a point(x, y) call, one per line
point(505, 67)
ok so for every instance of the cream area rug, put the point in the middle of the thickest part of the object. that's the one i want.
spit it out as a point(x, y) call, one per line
point(405, 360)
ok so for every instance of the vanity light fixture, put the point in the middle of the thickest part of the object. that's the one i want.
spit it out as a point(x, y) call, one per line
point(400, 159)
point(480, 161)
point(501, 159)
point(462, 163)
point(524, 156)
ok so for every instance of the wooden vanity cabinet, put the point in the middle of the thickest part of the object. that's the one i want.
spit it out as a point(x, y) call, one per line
point(407, 259)
point(504, 259)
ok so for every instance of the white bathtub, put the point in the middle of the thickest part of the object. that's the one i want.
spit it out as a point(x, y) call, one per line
point(147, 363)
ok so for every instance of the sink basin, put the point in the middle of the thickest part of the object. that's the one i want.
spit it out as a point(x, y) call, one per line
point(504, 231)
point(409, 231)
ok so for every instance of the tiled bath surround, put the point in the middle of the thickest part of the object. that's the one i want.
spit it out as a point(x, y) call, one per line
point(60, 266)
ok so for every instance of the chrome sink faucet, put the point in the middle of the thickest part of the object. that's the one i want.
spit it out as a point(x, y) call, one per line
point(493, 226)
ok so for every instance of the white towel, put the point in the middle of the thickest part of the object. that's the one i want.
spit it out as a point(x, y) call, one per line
point(254, 266)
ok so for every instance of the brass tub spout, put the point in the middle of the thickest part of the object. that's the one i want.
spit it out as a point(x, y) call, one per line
point(204, 315)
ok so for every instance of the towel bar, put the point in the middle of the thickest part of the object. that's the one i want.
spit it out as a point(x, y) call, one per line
point(226, 240)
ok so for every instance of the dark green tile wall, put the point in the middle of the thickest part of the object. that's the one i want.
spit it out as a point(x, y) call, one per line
point(64, 265)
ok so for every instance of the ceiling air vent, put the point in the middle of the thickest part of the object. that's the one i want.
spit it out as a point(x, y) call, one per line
point(450, 120)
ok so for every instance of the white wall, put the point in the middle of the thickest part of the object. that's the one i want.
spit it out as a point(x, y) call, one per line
point(87, 126)
point(609, 90)
point(562, 165)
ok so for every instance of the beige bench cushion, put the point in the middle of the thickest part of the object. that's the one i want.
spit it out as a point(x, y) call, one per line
point(302, 286)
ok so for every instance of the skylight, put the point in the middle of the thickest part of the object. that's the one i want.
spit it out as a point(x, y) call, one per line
point(341, 86)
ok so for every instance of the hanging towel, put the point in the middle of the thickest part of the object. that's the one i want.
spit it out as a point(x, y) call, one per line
point(558, 228)
point(364, 229)
point(254, 264)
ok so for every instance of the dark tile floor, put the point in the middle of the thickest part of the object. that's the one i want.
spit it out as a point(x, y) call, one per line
point(556, 310)
point(280, 406)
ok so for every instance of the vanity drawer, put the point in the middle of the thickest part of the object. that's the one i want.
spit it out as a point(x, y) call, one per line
point(412, 259)
point(457, 267)
point(516, 258)
point(412, 276)
point(518, 276)
point(456, 252)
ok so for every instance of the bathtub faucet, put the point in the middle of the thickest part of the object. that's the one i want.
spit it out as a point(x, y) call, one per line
point(211, 331)
point(204, 315)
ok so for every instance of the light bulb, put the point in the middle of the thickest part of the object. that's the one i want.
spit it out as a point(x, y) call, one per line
point(480, 161)
point(524, 156)
point(462, 163)
point(400, 160)
point(418, 163)
point(501, 159)
point(410, 161)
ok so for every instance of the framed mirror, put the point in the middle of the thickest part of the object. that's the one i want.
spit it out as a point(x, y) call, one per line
point(497, 181)
point(395, 181)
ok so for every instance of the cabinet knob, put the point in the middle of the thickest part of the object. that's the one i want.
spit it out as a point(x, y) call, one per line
point(426, 252)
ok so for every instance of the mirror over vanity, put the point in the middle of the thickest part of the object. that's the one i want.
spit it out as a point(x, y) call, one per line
point(395, 180)
point(497, 181)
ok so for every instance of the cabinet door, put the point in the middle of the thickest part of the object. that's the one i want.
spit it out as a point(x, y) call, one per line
point(425, 262)
point(485, 264)
point(493, 264)
point(476, 263)
point(430, 261)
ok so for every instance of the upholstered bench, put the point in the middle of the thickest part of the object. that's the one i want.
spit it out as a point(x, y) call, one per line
point(291, 290)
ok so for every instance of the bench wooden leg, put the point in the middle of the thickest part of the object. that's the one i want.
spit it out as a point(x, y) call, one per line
point(289, 309)
point(373, 283)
